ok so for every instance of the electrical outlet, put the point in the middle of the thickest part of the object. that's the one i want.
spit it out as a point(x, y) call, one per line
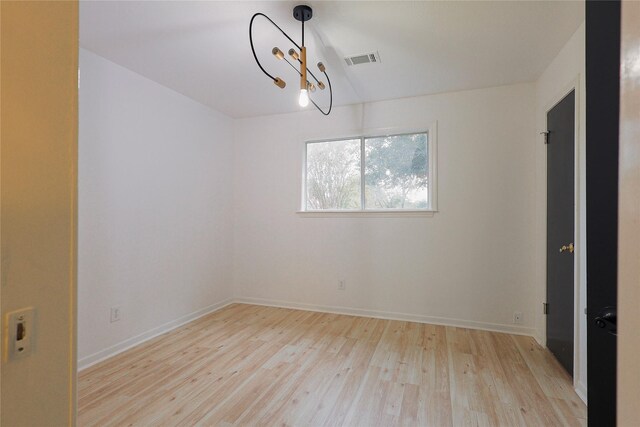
point(517, 318)
point(116, 314)
point(342, 284)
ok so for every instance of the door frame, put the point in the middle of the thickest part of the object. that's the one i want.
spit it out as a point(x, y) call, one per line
point(628, 370)
point(579, 231)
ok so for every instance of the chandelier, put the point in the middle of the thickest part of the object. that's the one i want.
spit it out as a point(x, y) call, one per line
point(301, 13)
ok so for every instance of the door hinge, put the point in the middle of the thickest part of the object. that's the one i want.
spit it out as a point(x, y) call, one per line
point(546, 136)
point(545, 308)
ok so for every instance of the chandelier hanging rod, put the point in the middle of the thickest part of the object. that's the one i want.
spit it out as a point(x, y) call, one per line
point(308, 70)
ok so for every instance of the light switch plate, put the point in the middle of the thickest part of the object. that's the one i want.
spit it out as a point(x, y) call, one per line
point(20, 333)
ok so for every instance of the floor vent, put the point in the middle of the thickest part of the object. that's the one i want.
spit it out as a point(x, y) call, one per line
point(364, 58)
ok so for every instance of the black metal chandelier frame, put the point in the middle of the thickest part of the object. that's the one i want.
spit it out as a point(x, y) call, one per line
point(301, 13)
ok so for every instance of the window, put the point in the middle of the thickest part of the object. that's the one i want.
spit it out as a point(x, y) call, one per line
point(389, 173)
point(334, 175)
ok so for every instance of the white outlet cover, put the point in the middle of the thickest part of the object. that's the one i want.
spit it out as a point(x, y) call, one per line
point(116, 314)
point(517, 318)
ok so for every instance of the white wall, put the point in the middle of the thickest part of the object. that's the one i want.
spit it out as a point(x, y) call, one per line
point(155, 194)
point(214, 213)
point(472, 263)
point(565, 72)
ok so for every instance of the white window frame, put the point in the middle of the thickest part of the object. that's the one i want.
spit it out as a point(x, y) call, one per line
point(432, 169)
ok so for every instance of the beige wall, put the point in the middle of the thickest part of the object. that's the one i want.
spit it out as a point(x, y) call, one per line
point(629, 231)
point(38, 214)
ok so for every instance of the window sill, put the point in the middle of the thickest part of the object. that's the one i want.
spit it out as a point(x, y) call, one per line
point(367, 214)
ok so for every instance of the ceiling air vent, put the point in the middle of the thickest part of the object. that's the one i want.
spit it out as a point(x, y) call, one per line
point(364, 58)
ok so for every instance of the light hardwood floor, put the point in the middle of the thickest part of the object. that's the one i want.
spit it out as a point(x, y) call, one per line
point(254, 365)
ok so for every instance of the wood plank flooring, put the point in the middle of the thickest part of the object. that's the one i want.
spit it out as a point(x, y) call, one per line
point(254, 365)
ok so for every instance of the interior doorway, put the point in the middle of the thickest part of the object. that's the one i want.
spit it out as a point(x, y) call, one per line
point(560, 140)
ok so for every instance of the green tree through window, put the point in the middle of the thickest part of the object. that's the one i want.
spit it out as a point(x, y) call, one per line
point(395, 171)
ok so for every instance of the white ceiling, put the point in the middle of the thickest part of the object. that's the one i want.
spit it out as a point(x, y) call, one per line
point(201, 49)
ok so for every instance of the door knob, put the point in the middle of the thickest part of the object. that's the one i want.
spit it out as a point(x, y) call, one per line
point(569, 248)
point(607, 319)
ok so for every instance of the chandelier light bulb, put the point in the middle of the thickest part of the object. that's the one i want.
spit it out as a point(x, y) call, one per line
point(304, 98)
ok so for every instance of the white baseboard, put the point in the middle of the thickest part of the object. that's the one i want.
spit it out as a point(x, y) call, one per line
point(111, 351)
point(445, 321)
point(581, 391)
